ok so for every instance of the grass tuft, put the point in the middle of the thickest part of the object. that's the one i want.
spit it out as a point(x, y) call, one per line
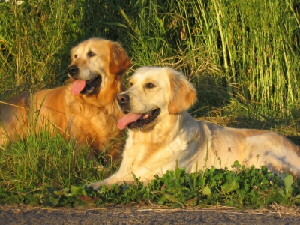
point(42, 161)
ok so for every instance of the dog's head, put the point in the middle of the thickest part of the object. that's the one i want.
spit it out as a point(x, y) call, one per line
point(93, 61)
point(153, 93)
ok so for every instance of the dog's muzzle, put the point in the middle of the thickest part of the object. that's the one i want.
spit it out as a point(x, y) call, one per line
point(134, 120)
point(73, 70)
point(82, 86)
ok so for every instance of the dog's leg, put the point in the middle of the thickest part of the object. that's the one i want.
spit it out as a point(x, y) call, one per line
point(114, 179)
point(123, 175)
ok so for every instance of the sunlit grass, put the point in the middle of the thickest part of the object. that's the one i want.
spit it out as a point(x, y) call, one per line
point(252, 47)
point(242, 56)
point(46, 160)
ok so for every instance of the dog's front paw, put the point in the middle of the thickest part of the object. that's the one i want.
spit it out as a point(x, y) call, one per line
point(95, 186)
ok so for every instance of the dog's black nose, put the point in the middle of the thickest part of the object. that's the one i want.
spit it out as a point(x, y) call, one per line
point(123, 99)
point(73, 70)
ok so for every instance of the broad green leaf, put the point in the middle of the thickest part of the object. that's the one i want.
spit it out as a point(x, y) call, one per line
point(229, 187)
point(206, 191)
point(78, 190)
point(288, 182)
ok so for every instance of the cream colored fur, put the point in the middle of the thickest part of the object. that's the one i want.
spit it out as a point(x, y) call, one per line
point(175, 137)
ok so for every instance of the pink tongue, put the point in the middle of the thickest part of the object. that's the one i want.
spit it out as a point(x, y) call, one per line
point(78, 86)
point(127, 119)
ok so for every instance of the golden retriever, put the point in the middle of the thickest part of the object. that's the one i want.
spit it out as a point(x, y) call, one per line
point(161, 134)
point(86, 108)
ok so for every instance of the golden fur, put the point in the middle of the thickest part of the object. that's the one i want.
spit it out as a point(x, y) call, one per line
point(175, 137)
point(89, 117)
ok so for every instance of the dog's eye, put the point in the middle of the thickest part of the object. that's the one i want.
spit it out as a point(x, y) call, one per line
point(91, 54)
point(149, 85)
point(75, 56)
point(130, 84)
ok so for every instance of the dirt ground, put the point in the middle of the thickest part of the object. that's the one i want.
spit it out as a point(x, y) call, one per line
point(20, 215)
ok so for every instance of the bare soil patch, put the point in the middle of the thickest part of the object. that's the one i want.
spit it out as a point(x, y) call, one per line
point(10, 215)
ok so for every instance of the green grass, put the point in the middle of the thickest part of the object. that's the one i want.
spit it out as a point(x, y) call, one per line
point(52, 172)
point(42, 161)
point(240, 55)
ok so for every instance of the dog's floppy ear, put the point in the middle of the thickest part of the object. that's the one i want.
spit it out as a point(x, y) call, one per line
point(119, 60)
point(183, 94)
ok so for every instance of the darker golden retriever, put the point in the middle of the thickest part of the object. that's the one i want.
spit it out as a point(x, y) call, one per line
point(85, 109)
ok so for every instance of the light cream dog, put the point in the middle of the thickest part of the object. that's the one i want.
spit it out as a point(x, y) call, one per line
point(162, 134)
point(85, 109)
